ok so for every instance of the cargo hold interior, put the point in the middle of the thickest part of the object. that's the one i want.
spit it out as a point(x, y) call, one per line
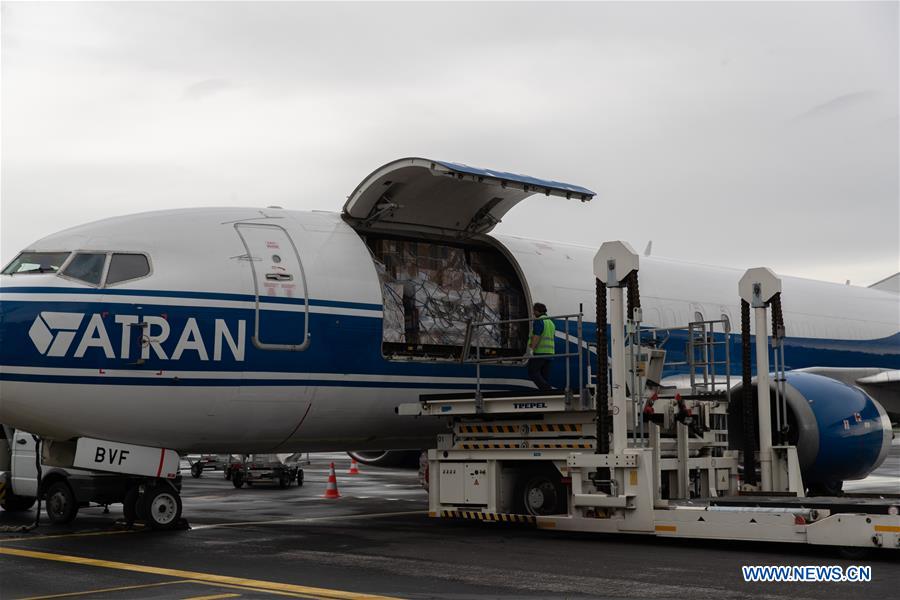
point(431, 291)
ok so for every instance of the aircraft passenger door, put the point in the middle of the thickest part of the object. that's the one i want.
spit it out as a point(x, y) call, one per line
point(281, 316)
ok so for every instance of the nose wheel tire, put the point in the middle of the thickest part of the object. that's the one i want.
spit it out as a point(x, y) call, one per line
point(61, 503)
point(130, 505)
point(161, 507)
point(237, 479)
point(196, 470)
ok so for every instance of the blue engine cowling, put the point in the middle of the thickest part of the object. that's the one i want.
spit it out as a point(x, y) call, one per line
point(840, 432)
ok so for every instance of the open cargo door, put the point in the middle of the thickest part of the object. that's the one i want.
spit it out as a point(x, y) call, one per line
point(418, 194)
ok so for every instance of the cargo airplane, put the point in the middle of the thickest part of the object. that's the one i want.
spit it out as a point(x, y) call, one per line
point(262, 329)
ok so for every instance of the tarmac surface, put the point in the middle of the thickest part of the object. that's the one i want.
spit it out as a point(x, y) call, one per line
point(376, 540)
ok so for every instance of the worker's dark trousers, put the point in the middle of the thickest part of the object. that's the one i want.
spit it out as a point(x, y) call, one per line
point(539, 372)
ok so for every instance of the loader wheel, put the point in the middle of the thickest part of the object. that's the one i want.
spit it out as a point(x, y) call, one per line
point(196, 470)
point(161, 507)
point(237, 479)
point(541, 494)
point(284, 480)
point(61, 504)
point(300, 477)
point(826, 488)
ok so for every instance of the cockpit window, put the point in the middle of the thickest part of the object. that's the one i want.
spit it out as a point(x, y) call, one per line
point(123, 267)
point(36, 262)
point(86, 267)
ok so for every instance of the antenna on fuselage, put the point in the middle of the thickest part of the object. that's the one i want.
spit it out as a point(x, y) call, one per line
point(649, 248)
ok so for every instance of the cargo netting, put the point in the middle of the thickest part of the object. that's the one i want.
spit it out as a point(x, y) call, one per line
point(432, 291)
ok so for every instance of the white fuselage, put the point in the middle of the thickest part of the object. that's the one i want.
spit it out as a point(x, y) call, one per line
point(169, 360)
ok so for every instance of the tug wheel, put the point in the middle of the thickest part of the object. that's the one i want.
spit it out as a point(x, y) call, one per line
point(61, 504)
point(13, 503)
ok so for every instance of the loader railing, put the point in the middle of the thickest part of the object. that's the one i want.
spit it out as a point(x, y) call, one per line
point(473, 353)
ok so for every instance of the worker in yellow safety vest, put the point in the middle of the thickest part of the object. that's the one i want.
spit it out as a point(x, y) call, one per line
point(541, 348)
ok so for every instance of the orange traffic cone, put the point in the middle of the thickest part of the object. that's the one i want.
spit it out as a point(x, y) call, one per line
point(331, 490)
point(354, 467)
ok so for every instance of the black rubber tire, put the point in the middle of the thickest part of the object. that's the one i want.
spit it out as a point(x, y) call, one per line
point(196, 470)
point(237, 479)
point(284, 480)
point(227, 473)
point(13, 503)
point(161, 507)
point(539, 494)
point(300, 477)
point(826, 488)
point(129, 504)
point(60, 502)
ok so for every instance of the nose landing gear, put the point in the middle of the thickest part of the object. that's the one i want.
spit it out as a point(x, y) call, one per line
point(155, 502)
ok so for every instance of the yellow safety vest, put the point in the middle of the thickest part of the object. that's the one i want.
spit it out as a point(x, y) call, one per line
point(547, 343)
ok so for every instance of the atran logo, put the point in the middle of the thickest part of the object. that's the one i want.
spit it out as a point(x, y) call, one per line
point(41, 332)
point(53, 334)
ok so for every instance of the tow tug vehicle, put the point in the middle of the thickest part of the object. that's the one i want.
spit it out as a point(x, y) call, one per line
point(621, 453)
point(266, 469)
point(210, 462)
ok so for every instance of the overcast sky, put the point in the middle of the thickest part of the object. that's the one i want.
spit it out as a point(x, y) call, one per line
point(735, 134)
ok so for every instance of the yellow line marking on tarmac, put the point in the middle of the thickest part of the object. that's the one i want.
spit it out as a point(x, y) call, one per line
point(213, 597)
point(253, 589)
point(107, 590)
point(67, 535)
point(191, 581)
point(180, 574)
point(216, 525)
point(309, 519)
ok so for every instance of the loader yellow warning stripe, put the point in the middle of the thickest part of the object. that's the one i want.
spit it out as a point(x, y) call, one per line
point(561, 446)
point(567, 427)
point(487, 445)
point(490, 428)
point(493, 517)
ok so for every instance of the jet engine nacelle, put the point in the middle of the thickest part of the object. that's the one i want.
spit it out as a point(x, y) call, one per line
point(388, 458)
point(840, 432)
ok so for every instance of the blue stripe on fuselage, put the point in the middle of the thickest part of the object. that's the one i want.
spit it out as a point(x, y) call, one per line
point(341, 344)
